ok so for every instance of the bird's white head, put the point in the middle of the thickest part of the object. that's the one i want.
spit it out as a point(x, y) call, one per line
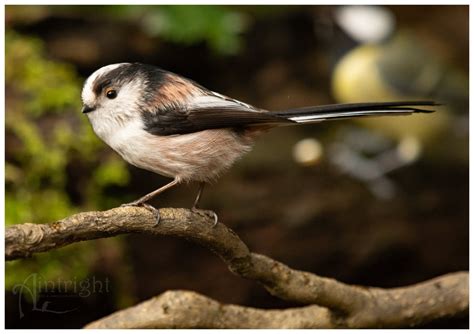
point(112, 91)
point(112, 97)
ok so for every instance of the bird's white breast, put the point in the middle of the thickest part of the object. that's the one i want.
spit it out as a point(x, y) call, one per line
point(199, 156)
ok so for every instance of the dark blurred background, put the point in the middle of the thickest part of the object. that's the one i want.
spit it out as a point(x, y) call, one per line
point(380, 202)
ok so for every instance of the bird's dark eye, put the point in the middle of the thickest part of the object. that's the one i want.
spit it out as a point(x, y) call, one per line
point(111, 93)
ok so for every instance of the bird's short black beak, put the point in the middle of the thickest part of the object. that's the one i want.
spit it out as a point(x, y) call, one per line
point(86, 109)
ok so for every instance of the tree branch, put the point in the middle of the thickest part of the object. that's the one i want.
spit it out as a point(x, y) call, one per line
point(186, 309)
point(344, 305)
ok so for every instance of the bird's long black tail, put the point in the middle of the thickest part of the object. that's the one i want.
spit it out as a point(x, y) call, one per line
point(350, 110)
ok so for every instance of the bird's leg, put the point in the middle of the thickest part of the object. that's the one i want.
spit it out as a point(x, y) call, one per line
point(149, 196)
point(198, 197)
point(142, 200)
point(196, 202)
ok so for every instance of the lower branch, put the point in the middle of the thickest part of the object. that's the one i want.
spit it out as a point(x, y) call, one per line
point(345, 305)
point(186, 309)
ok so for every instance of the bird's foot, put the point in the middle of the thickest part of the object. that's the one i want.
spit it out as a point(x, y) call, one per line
point(208, 212)
point(151, 208)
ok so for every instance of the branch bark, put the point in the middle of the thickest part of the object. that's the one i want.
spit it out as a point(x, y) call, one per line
point(338, 305)
point(186, 309)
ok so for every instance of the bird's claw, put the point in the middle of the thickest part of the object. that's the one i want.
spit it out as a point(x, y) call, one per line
point(216, 219)
point(214, 215)
point(147, 206)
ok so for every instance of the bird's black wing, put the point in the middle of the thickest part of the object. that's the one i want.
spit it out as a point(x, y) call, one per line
point(206, 112)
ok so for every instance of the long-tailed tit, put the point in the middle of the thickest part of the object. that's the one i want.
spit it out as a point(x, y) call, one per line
point(170, 125)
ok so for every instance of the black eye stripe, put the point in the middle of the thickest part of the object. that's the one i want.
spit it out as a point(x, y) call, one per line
point(126, 73)
point(100, 85)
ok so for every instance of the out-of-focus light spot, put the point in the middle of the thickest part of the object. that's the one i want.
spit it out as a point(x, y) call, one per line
point(366, 24)
point(307, 152)
point(357, 78)
point(409, 149)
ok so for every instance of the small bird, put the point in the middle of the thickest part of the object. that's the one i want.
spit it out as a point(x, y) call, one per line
point(167, 124)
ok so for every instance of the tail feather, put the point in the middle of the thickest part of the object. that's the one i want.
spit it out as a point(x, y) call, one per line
point(350, 110)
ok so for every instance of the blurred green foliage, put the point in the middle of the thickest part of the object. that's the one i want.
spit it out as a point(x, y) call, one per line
point(45, 134)
point(219, 26)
